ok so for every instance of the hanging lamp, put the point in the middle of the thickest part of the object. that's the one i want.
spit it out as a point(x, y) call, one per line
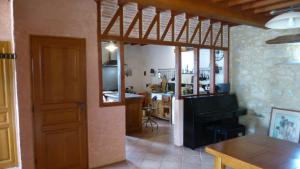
point(287, 20)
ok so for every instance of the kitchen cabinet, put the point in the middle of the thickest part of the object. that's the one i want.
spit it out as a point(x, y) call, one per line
point(163, 106)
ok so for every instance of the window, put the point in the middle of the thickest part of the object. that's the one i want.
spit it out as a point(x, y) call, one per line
point(187, 71)
point(204, 71)
point(221, 72)
point(111, 69)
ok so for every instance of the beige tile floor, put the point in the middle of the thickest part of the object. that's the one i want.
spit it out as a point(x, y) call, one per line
point(155, 150)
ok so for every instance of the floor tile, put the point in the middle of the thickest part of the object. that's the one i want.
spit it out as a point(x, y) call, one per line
point(153, 156)
point(170, 165)
point(155, 150)
point(191, 166)
point(151, 164)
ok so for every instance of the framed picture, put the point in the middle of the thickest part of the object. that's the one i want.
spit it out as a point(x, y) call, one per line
point(285, 124)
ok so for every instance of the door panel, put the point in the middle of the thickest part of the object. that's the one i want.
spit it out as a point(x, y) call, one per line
point(8, 155)
point(4, 147)
point(61, 116)
point(59, 89)
point(63, 147)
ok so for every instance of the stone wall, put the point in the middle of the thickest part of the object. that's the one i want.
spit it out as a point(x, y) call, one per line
point(257, 78)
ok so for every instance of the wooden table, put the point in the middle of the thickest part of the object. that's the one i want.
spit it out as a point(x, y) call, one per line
point(255, 152)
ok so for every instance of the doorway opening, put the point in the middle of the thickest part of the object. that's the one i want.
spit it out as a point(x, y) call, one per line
point(150, 76)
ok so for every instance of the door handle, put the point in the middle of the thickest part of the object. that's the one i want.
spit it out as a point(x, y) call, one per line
point(81, 106)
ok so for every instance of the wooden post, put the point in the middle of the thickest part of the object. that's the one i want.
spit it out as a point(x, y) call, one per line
point(158, 25)
point(113, 20)
point(99, 51)
point(200, 30)
point(178, 72)
point(222, 31)
point(140, 23)
point(226, 66)
point(211, 33)
point(173, 27)
point(212, 71)
point(195, 32)
point(131, 25)
point(228, 57)
point(121, 21)
point(187, 28)
point(121, 75)
point(196, 71)
point(167, 29)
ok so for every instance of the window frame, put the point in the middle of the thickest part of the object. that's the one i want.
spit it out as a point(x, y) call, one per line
point(196, 84)
point(121, 77)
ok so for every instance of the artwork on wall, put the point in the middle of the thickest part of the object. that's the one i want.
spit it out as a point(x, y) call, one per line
point(284, 124)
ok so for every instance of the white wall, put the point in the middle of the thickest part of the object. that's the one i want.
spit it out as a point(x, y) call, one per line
point(134, 60)
point(178, 121)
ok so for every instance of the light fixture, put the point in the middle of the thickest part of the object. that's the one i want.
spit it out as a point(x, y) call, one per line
point(111, 47)
point(288, 20)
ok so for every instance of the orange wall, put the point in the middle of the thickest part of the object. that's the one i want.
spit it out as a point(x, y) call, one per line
point(68, 18)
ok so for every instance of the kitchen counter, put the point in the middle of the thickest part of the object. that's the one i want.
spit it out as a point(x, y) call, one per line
point(115, 95)
point(133, 106)
point(134, 114)
point(130, 95)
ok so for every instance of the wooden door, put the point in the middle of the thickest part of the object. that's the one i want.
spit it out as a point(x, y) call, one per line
point(59, 97)
point(8, 153)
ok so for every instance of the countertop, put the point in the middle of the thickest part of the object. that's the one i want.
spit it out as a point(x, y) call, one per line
point(127, 95)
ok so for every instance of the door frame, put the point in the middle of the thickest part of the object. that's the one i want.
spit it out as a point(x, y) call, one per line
point(83, 41)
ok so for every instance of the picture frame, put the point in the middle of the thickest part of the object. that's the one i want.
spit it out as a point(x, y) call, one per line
point(285, 124)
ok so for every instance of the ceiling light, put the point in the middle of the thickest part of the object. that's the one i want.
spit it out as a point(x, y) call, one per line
point(111, 47)
point(288, 20)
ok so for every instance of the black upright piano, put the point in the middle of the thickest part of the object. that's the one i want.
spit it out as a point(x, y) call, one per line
point(203, 111)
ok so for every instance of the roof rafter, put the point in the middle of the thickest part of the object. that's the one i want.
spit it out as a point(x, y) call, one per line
point(205, 9)
point(238, 2)
point(277, 6)
point(260, 4)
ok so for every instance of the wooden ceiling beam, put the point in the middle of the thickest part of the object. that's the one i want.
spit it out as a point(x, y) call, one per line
point(260, 4)
point(206, 9)
point(216, 1)
point(122, 2)
point(286, 4)
point(238, 2)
